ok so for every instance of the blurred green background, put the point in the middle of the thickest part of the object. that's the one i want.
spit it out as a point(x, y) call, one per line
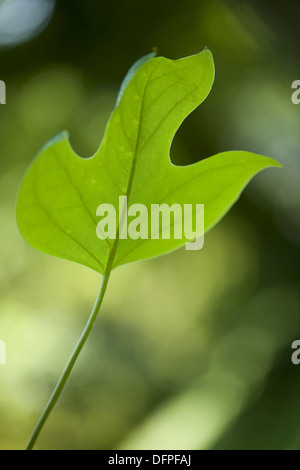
point(192, 350)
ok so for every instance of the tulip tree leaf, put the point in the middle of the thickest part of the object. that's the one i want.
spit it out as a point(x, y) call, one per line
point(59, 196)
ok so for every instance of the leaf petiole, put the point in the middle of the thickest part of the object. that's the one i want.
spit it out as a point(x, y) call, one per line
point(69, 367)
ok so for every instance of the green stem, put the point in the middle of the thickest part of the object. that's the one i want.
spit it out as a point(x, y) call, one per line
point(68, 369)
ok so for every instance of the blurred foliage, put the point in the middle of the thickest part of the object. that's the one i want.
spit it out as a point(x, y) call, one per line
point(191, 350)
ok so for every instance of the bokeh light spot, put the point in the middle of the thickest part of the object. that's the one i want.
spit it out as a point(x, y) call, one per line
point(21, 20)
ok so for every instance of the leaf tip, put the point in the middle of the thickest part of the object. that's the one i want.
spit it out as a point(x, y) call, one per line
point(273, 163)
point(278, 164)
point(209, 55)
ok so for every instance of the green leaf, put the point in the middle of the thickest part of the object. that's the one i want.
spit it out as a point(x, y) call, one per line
point(59, 196)
point(131, 72)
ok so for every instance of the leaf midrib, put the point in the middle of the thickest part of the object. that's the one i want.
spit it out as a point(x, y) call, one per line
point(110, 261)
